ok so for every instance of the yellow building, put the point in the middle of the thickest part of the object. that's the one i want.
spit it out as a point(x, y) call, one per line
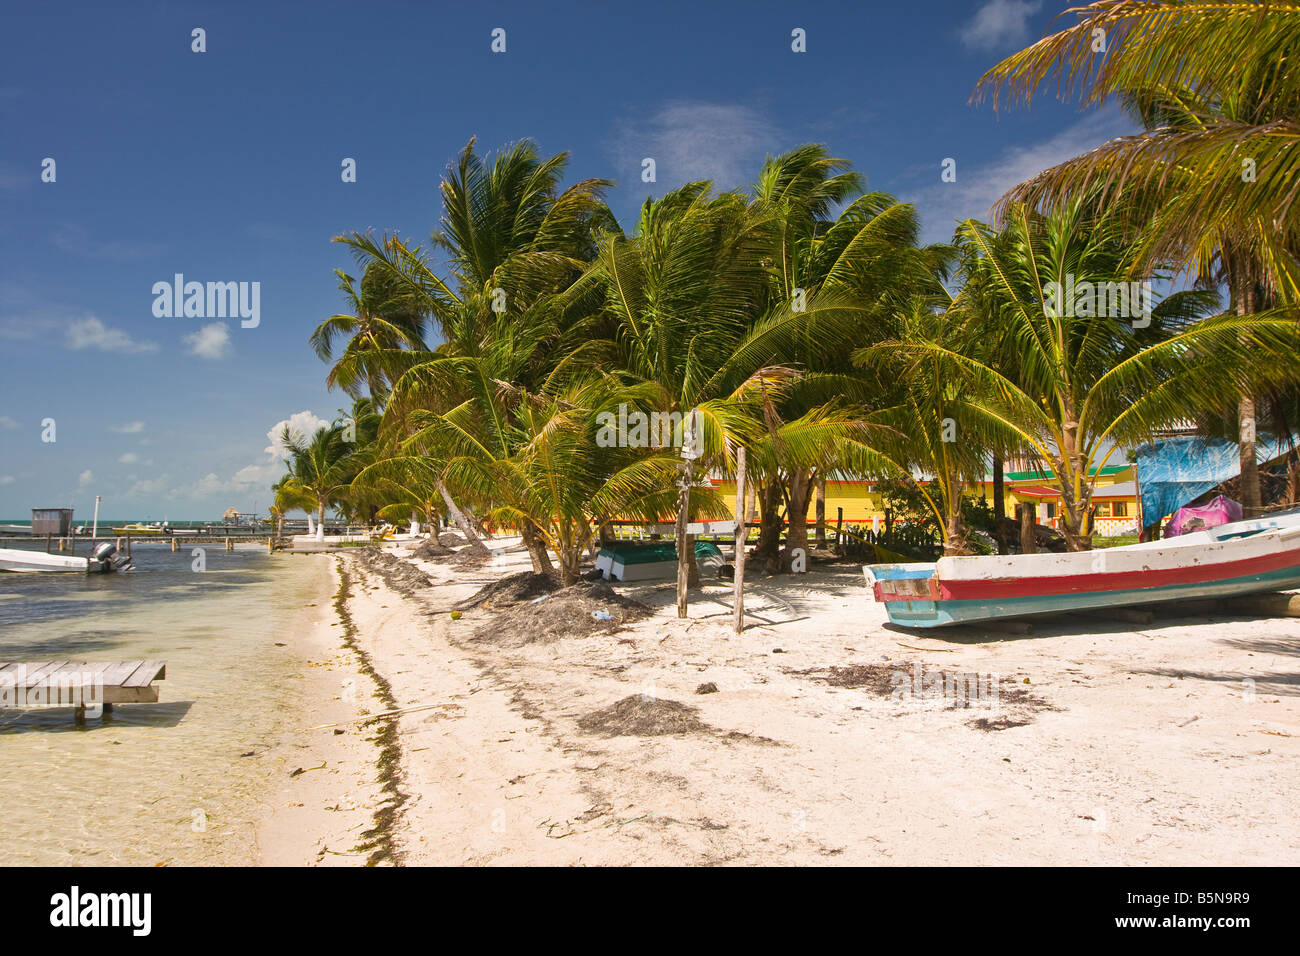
point(857, 502)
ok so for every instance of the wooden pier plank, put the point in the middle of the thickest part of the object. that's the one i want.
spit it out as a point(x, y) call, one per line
point(36, 672)
point(122, 682)
point(119, 671)
point(146, 673)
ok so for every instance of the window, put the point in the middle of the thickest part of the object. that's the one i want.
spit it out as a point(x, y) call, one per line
point(1119, 509)
point(1103, 509)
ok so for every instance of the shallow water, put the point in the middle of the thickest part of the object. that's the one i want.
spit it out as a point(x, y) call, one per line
point(164, 782)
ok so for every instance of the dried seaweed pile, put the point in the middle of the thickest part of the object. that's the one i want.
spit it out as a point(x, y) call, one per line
point(904, 681)
point(641, 716)
point(399, 575)
point(511, 589)
point(584, 609)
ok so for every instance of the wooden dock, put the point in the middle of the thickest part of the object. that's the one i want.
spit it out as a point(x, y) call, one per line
point(78, 683)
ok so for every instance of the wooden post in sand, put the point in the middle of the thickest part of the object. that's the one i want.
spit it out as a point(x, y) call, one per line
point(685, 548)
point(741, 534)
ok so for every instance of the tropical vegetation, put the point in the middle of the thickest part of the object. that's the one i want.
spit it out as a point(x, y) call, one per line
point(803, 321)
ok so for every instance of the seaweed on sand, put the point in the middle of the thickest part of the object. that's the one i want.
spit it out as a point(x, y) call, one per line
point(642, 716)
point(584, 609)
point(512, 589)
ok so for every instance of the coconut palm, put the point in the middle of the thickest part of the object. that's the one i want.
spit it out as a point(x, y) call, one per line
point(942, 441)
point(1212, 178)
point(1087, 384)
point(866, 260)
point(319, 469)
point(380, 317)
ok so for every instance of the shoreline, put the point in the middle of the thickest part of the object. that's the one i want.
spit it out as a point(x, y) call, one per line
point(325, 785)
point(1109, 743)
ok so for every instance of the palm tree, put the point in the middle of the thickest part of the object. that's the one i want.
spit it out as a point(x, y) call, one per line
point(1212, 178)
point(865, 258)
point(1087, 384)
point(319, 470)
point(515, 242)
point(941, 439)
point(381, 317)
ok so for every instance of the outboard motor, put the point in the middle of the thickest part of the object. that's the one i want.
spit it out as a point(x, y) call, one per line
point(106, 556)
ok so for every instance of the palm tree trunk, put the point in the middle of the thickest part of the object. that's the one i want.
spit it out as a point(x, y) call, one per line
point(821, 512)
point(1028, 544)
point(1251, 501)
point(999, 489)
point(1244, 296)
point(463, 523)
point(769, 531)
point(796, 536)
point(320, 521)
point(954, 539)
point(536, 546)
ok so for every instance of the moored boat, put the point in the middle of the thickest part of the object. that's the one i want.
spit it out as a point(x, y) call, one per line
point(141, 529)
point(104, 558)
point(1242, 557)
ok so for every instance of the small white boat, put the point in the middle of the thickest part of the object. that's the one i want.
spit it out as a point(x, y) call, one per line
point(104, 558)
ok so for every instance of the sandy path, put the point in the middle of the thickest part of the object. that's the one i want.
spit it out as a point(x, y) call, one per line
point(1149, 745)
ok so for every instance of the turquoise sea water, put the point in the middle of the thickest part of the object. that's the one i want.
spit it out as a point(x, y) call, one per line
point(164, 782)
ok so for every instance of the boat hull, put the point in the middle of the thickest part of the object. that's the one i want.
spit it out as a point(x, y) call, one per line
point(941, 613)
point(27, 562)
point(1235, 559)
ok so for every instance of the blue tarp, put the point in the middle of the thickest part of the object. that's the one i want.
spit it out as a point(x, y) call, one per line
point(1174, 471)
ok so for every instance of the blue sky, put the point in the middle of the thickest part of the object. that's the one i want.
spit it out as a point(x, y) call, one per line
point(225, 166)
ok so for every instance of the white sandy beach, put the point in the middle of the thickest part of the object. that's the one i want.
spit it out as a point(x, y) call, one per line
point(1133, 743)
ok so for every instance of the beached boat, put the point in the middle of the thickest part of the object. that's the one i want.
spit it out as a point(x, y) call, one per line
point(651, 560)
point(1242, 557)
point(104, 558)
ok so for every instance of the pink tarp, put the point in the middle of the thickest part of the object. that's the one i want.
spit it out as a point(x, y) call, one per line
point(1213, 513)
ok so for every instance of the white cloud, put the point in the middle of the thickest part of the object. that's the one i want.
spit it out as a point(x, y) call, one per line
point(692, 141)
point(91, 333)
point(1000, 24)
point(210, 342)
point(6, 479)
point(942, 205)
point(85, 478)
point(259, 475)
point(150, 486)
point(130, 428)
point(7, 423)
point(130, 458)
point(302, 424)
